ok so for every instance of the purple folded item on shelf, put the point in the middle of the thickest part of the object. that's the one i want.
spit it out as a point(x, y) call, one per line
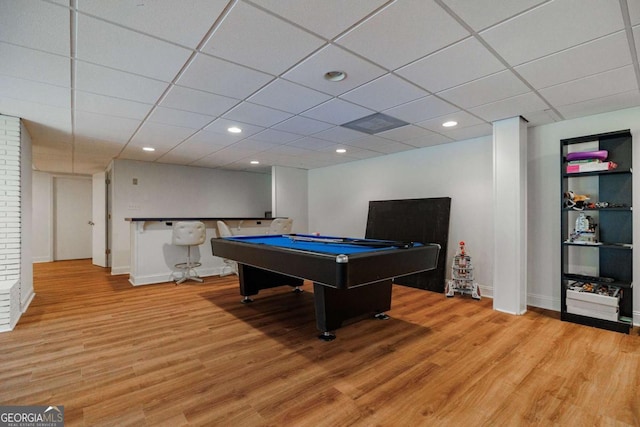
point(587, 155)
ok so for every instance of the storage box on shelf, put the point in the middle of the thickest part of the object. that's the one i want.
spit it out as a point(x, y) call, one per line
point(600, 301)
point(597, 238)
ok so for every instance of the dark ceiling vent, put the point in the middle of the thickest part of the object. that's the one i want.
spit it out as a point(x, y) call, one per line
point(375, 123)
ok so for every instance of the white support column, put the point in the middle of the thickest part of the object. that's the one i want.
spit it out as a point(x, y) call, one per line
point(510, 215)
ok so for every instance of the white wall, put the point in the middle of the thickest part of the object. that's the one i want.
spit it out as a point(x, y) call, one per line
point(26, 254)
point(339, 195)
point(42, 238)
point(545, 200)
point(289, 195)
point(179, 191)
point(16, 269)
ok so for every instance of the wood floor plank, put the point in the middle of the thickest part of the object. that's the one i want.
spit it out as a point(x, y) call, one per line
point(193, 355)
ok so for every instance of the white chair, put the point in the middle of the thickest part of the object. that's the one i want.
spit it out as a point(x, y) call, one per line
point(224, 231)
point(281, 226)
point(188, 233)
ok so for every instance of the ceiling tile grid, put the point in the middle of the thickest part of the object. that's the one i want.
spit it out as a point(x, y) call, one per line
point(96, 80)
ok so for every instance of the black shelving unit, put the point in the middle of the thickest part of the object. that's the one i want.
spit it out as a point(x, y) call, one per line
point(612, 257)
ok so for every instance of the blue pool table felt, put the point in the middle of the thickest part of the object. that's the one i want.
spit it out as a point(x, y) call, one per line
point(284, 241)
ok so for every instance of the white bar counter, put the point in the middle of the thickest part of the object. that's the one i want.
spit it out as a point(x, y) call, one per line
point(153, 257)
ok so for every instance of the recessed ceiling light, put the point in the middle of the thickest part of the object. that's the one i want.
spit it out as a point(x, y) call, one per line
point(255, 162)
point(341, 150)
point(450, 124)
point(148, 149)
point(335, 76)
point(234, 129)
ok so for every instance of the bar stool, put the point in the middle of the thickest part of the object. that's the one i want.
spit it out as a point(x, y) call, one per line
point(188, 233)
point(225, 231)
point(280, 226)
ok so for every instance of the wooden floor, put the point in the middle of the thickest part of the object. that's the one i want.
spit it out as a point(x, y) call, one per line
point(192, 354)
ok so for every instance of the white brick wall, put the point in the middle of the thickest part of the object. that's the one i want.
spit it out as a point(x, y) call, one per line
point(10, 229)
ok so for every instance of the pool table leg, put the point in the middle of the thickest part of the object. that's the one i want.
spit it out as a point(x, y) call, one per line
point(334, 306)
point(253, 279)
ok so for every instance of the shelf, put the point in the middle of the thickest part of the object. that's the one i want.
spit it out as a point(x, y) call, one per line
point(584, 279)
point(601, 245)
point(596, 173)
point(612, 258)
point(619, 326)
point(622, 209)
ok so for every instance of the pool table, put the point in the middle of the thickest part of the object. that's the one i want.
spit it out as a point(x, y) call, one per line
point(351, 277)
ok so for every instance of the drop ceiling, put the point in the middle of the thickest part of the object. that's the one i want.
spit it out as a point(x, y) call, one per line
point(98, 80)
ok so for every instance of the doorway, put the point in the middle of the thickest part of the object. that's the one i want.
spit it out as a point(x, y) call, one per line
point(72, 211)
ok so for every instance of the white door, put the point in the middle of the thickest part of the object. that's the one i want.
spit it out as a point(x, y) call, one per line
point(99, 251)
point(72, 218)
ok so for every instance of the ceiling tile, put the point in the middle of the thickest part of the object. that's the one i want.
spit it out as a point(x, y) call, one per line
point(193, 149)
point(105, 81)
point(503, 109)
point(35, 65)
point(429, 140)
point(601, 105)
point(634, 12)
point(636, 38)
point(224, 156)
point(116, 47)
point(35, 24)
point(256, 115)
point(105, 128)
point(469, 132)
point(538, 118)
point(253, 145)
point(337, 111)
point(464, 61)
point(260, 44)
point(50, 122)
point(611, 52)
point(314, 144)
point(204, 140)
point(110, 106)
point(339, 134)
point(221, 125)
point(480, 14)
point(420, 28)
point(380, 145)
point(552, 27)
point(89, 147)
point(485, 90)
point(169, 116)
point(385, 92)
point(421, 109)
point(327, 18)
point(311, 71)
point(463, 118)
point(222, 77)
point(185, 24)
point(39, 93)
point(597, 86)
point(159, 136)
point(302, 125)
point(286, 96)
point(405, 133)
point(275, 136)
point(197, 101)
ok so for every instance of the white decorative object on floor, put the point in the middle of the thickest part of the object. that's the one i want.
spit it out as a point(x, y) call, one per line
point(462, 276)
